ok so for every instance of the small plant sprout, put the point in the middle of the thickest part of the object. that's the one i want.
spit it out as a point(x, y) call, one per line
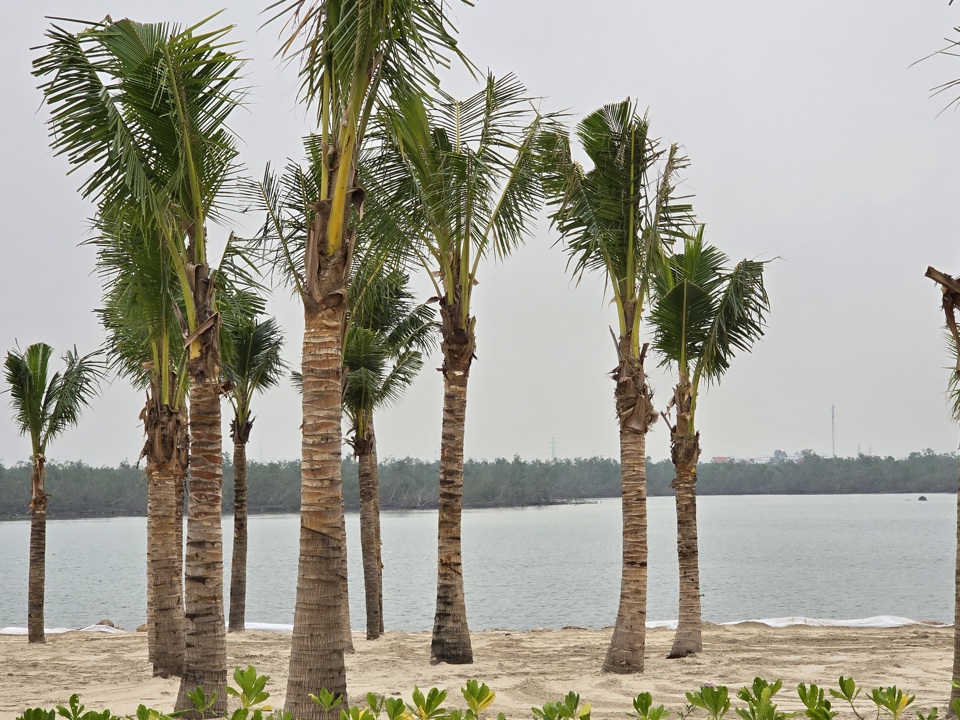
point(759, 699)
point(715, 699)
point(891, 700)
point(643, 708)
point(849, 691)
point(429, 706)
point(817, 706)
point(569, 708)
point(478, 697)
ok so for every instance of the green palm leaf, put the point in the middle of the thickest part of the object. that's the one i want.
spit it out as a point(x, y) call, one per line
point(44, 407)
point(620, 216)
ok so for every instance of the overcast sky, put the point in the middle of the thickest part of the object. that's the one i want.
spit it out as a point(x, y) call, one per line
point(812, 139)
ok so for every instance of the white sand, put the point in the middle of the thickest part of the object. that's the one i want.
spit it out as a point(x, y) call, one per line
point(524, 668)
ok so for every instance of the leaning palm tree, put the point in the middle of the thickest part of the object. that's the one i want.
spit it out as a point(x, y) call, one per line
point(387, 334)
point(144, 108)
point(352, 52)
point(140, 314)
point(950, 289)
point(453, 183)
point(703, 314)
point(252, 363)
point(616, 219)
point(44, 406)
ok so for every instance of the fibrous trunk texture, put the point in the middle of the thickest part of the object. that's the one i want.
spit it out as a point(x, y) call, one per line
point(635, 415)
point(166, 451)
point(451, 636)
point(238, 567)
point(370, 542)
point(36, 577)
point(685, 452)
point(317, 651)
point(955, 691)
point(205, 657)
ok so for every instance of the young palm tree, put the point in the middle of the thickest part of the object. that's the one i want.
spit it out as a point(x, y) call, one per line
point(453, 183)
point(144, 345)
point(145, 108)
point(351, 52)
point(950, 289)
point(704, 313)
point(252, 362)
point(616, 219)
point(44, 407)
point(387, 334)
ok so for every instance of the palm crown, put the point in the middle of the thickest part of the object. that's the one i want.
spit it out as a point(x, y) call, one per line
point(44, 406)
point(624, 212)
point(387, 334)
point(705, 312)
point(452, 182)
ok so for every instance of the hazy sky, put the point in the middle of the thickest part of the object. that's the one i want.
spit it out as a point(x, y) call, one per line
point(811, 139)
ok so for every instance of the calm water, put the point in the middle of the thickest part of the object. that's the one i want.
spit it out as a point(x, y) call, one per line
point(839, 557)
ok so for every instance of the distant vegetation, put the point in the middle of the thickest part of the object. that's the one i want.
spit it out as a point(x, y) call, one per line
point(77, 489)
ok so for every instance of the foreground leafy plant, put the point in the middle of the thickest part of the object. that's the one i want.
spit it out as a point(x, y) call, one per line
point(713, 700)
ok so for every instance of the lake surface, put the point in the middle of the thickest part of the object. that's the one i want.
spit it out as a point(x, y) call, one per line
point(835, 557)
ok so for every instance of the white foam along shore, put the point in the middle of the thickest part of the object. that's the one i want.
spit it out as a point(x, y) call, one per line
point(878, 621)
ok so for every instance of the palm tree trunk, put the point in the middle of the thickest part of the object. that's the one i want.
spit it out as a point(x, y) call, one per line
point(38, 551)
point(164, 552)
point(369, 481)
point(635, 414)
point(451, 636)
point(955, 691)
point(238, 568)
point(205, 659)
point(317, 650)
point(166, 452)
point(685, 452)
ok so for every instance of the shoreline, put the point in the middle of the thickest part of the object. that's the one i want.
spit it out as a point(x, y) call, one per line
point(528, 668)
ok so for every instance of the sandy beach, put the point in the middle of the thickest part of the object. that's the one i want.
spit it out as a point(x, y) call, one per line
point(524, 668)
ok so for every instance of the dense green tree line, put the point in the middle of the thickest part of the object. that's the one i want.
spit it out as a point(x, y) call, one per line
point(76, 489)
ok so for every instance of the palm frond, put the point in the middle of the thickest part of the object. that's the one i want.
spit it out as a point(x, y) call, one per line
point(618, 216)
point(46, 406)
point(71, 391)
point(704, 313)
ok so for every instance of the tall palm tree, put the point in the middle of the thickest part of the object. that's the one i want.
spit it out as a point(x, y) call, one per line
point(351, 53)
point(144, 107)
point(387, 334)
point(453, 183)
point(140, 309)
point(615, 219)
point(44, 406)
point(252, 363)
point(703, 314)
point(950, 289)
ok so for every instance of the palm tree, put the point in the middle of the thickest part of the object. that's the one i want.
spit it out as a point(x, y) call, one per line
point(452, 183)
point(141, 303)
point(704, 313)
point(351, 53)
point(145, 107)
point(383, 353)
point(950, 289)
point(615, 219)
point(44, 407)
point(252, 362)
